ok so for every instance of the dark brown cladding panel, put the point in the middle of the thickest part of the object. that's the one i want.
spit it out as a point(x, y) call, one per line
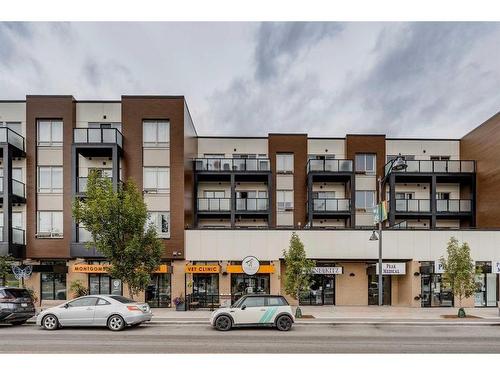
point(48, 107)
point(482, 145)
point(296, 144)
point(134, 110)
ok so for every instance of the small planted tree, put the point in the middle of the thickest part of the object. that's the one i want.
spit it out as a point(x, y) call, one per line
point(459, 272)
point(298, 270)
point(117, 222)
point(5, 268)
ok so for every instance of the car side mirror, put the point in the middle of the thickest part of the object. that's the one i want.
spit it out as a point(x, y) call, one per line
point(243, 307)
point(66, 306)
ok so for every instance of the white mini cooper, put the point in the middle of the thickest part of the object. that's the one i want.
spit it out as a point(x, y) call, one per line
point(254, 310)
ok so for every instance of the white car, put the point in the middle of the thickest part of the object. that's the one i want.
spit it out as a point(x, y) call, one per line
point(254, 310)
point(115, 312)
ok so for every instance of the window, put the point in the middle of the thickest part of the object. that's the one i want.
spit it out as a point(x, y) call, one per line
point(156, 133)
point(108, 125)
point(284, 198)
point(53, 284)
point(122, 299)
point(17, 174)
point(214, 194)
point(50, 133)
point(50, 179)
point(102, 302)
point(321, 157)
point(365, 163)
point(103, 284)
point(83, 302)
point(50, 224)
point(15, 126)
point(161, 221)
point(405, 157)
point(404, 195)
point(442, 195)
point(284, 163)
point(156, 179)
point(440, 157)
point(365, 199)
point(276, 301)
point(254, 302)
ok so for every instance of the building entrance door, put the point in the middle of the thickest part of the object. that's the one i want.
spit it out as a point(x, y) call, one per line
point(321, 292)
point(373, 290)
point(434, 293)
point(206, 289)
point(242, 284)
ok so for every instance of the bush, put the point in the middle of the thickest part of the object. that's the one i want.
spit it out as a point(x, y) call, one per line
point(78, 289)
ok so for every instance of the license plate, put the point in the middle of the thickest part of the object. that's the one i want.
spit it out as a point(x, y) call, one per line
point(24, 305)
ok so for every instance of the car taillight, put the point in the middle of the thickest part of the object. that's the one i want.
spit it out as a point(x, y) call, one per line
point(133, 308)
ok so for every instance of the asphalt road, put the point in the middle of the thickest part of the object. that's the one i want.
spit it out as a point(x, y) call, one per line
point(301, 339)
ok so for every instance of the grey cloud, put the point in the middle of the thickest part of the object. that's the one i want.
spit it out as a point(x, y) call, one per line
point(278, 44)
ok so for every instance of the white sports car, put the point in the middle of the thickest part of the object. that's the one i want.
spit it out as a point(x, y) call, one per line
point(115, 312)
point(255, 310)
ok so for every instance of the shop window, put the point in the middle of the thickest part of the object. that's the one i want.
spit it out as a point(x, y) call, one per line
point(102, 283)
point(158, 292)
point(53, 284)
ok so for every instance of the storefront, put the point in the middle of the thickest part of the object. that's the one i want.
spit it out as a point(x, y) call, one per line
point(322, 289)
point(389, 270)
point(158, 292)
point(250, 281)
point(486, 285)
point(102, 283)
point(202, 284)
point(433, 292)
point(52, 280)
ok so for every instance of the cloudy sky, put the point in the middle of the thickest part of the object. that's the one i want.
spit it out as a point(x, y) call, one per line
point(326, 79)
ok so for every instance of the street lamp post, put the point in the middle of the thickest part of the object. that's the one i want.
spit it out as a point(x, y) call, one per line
point(397, 164)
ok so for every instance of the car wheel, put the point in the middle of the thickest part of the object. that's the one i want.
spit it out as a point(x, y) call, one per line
point(116, 323)
point(223, 323)
point(284, 323)
point(18, 323)
point(50, 322)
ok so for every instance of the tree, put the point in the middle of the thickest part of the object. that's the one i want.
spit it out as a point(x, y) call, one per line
point(298, 269)
point(5, 268)
point(78, 289)
point(459, 272)
point(117, 222)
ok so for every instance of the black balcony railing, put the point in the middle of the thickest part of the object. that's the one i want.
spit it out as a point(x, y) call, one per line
point(10, 136)
point(436, 166)
point(214, 204)
point(331, 204)
point(228, 165)
point(18, 187)
point(252, 204)
point(413, 205)
point(97, 135)
point(453, 205)
point(330, 165)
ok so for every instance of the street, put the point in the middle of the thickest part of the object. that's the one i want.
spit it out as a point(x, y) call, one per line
point(198, 338)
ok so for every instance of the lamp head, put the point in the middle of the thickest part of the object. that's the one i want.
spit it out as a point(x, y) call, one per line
point(399, 163)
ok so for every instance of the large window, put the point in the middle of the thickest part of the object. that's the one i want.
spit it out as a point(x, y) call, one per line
point(156, 133)
point(366, 163)
point(53, 284)
point(284, 199)
point(156, 179)
point(161, 221)
point(50, 224)
point(365, 199)
point(50, 133)
point(284, 163)
point(50, 179)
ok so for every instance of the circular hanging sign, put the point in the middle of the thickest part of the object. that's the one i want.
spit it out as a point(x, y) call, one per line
point(250, 265)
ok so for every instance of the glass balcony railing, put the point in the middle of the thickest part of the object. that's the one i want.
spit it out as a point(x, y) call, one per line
point(251, 204)
point(82, 183)
point(330, 165)
point(10, 136)
point(84, 235)
point(453, 205)
point(97, 135)
point(18, 236)
point(228, 165)
point(18, 188)
point(331, 204)
point(413, 205)
point(436, 166)
point(214, 204)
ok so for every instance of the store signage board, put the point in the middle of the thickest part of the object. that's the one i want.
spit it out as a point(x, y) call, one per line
point(392, 269)
point(202, 268)
point(327, 271)
point(103, 268)
point(264, 268)
point(438, 267)
point(495, 266)
point(250, 265)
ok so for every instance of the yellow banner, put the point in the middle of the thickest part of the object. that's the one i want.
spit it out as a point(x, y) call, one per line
point(103, 268)
point(206, 268)
point(266, 268)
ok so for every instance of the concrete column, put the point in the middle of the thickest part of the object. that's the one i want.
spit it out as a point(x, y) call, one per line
point(178, 280)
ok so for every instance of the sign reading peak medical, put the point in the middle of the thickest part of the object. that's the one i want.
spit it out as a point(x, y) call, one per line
point(327, 271)
point(438, 267)
point(202, 268)
point(392, 269)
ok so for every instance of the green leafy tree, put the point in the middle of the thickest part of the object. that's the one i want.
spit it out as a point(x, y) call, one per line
point(298, 269)
point(117, 222)
point(459, 272)
point(5, 268)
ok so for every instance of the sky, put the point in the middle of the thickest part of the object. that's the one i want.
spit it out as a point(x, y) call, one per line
point(326, 79)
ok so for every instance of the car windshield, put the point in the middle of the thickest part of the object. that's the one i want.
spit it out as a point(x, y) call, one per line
point(122, 299)
point(17, 293)
point(238, 302)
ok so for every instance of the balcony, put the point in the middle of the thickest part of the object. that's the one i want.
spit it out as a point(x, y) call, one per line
point(18, 236)
point(413, 205)
point(436, 167)
point(252, 204)
point(454, 205)
point(82, 184)
point(214, 204)
point(18, 190)
point(332, 205)
point(97, 136)
point(330, 166)
point(10, 137)
point(232, 165)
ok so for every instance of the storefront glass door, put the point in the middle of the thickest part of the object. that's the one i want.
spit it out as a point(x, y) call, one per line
point(242, 284)
point(434, 293)
point(206, 289)
point(158, 291)
point(373, 290)
point(321, 292)
point(486, 286)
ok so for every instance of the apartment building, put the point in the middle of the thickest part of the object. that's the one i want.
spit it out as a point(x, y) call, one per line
point(217, 200)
